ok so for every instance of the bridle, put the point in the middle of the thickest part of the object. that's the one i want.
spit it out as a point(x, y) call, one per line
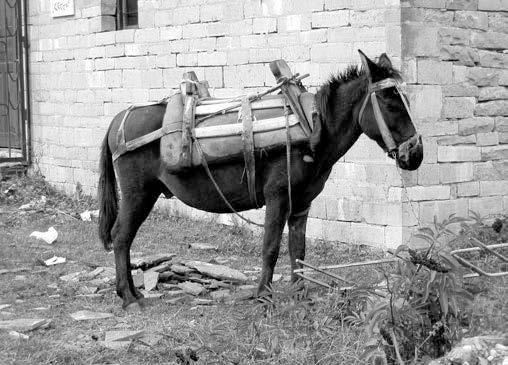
point(390, 144)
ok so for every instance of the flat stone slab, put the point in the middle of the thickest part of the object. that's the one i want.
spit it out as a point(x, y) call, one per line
point(220, 272)
point(181, 269)
point(150, 278)
point(24, 324)
point(151, 339)
point(3, 306)
point(115, 345)
point(86, 315)
point(150, 261)
point(123, 335)
point(17, 335)
point(192, 288)
point(138, 278)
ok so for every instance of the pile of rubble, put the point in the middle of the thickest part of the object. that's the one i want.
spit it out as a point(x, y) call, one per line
point(164, 275)
point(481, 350)
point(175, 279)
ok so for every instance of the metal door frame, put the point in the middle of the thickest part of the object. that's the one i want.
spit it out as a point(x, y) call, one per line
point(21, 67)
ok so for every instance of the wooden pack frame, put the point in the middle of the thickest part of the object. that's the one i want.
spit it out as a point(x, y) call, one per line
point(187, 123)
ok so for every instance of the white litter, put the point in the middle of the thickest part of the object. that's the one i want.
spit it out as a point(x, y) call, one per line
point(87, 215)
point(55, 260)
point(49, 236)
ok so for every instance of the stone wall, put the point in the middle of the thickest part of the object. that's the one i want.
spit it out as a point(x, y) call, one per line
point(84, 72)
point(455, 62)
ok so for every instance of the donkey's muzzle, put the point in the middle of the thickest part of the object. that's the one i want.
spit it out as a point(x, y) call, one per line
point(410, 153)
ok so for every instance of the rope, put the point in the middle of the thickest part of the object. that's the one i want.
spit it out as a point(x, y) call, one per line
point(288, 155)
point(210, 176)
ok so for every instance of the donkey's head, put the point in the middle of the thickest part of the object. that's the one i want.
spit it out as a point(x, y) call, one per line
point(384, 114)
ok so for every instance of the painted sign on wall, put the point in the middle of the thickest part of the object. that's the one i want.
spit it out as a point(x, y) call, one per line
point(62, 8)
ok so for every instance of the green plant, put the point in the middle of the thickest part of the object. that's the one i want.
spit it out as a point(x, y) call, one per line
point(420, 314)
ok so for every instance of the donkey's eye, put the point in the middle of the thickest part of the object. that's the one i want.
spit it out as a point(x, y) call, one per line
point(395, 92)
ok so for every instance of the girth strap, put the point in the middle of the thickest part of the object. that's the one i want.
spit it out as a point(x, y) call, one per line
point(248, 148)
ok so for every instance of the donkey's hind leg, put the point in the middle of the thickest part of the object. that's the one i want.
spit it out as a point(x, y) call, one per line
point(135, 206)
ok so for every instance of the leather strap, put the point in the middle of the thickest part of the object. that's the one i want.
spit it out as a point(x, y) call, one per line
point(248, 149)
point(187, 128)
point(390, 144)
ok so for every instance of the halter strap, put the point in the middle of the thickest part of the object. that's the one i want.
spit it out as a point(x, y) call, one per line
point(378, 115)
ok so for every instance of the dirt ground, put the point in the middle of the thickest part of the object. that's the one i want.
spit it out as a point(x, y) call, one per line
point(311, 331)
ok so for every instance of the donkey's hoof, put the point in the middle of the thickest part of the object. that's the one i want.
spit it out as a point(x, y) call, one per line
point(134, 307)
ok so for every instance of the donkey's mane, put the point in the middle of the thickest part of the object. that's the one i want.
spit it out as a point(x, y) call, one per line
point(328, 91)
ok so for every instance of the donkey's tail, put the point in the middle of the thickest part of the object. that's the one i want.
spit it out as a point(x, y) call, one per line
point(108, 198)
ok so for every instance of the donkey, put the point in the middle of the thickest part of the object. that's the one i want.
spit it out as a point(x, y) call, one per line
point(358, 100)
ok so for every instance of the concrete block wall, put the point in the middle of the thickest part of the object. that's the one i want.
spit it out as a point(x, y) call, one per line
point(455, 63)
point(83, 72)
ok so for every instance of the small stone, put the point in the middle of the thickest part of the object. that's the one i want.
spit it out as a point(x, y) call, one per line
point(150, 261)
point(192, 288)
point(152, 295)
point(50, 236)
point(86, 315)
point(151, 339)
point(221, 295)
point(276, 277)
point(94, 273)
point(3, 306)
point(42, 308)
point(24, 324)
point(174, 293)
point(115, 345)
point(15, 334)
point(180, 269)
point(72, 277)
point(88, 290)
point(165, 276)
point(203, 246)
point(165, 266)
point(122, 335)
point(55, 260)
point(138, 278)
point(200, 301)
point(150, 279)
point(215, 284)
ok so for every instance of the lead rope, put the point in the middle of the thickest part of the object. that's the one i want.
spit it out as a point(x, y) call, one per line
point(288, 154)
point(210, 176)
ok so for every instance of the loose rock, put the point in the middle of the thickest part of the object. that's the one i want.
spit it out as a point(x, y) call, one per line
point(55, 260)
point(192, 288)
point(203, 246)
point(15, 334)
point(217, 271)
point(24, 324)
point(150, 261)
point(86, 315)
point(49, 236)
point(150, 279)
point(122, 335)
point(138, 278)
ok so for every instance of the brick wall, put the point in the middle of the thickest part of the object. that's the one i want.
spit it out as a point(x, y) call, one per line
point(455, 62)
point(83, 73)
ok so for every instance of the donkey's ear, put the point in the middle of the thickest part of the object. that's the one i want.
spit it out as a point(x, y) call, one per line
point(368, 65)
point(384, 61)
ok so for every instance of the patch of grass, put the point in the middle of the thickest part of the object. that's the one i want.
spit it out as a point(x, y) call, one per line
point(319, 327)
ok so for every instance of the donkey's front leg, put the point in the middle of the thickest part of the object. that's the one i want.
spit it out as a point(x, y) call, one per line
point(297, 225)
point(275, 218)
